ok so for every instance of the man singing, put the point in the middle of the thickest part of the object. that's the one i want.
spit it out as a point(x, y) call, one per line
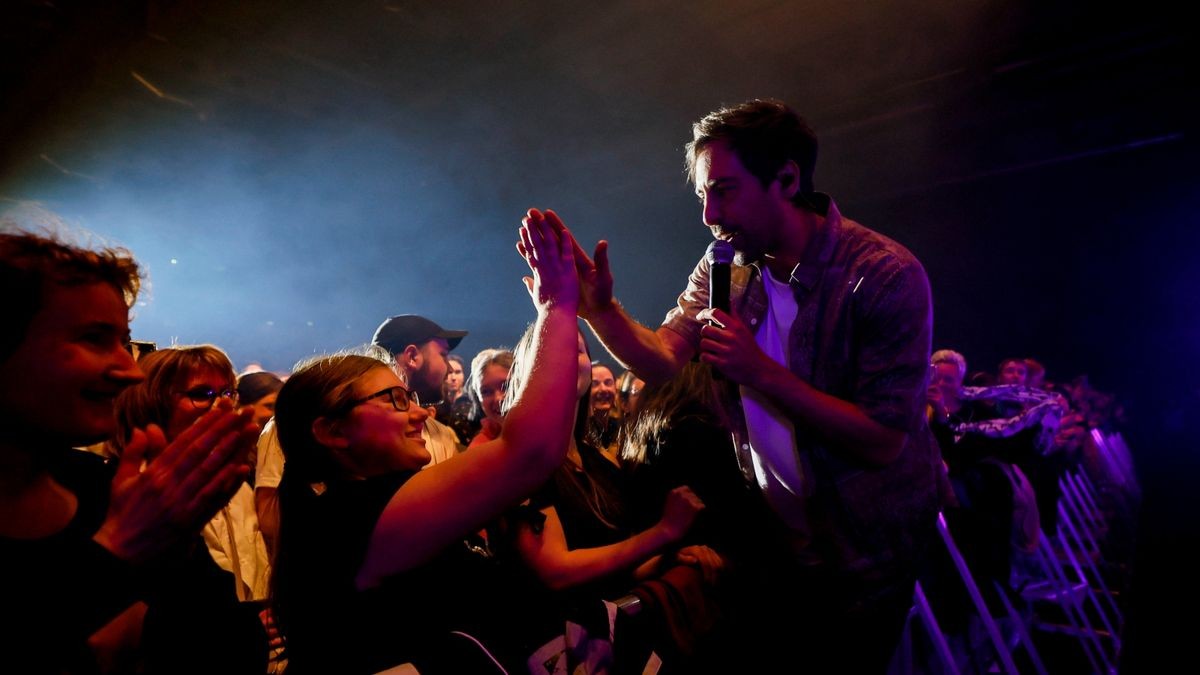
point(826, 354)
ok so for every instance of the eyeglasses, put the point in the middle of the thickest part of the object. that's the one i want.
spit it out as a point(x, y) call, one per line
point(400, 397)
point(202, 398)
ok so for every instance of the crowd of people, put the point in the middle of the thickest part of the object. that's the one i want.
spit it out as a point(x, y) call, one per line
point(757, 489)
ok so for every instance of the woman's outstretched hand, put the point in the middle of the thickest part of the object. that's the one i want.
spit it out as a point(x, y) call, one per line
point(549, 250)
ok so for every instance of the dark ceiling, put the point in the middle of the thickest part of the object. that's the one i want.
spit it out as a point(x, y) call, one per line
point(291, 172)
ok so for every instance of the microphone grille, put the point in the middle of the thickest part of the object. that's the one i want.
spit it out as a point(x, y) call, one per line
point(720, 252)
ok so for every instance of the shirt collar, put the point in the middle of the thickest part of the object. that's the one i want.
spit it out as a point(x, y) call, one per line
point(819, 251)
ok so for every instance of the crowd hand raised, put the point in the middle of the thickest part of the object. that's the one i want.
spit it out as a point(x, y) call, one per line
point(680, 511)
point(595, 276)
point(728, 345)
point(711, 564)
point(181, 488)
point(547, 248)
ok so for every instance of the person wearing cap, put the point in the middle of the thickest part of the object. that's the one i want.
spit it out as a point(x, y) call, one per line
point(825, 359)
point(420, 348)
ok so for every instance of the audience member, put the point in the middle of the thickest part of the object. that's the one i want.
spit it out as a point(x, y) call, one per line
point(370, 572)
point(77, 535)
point(203, 613)
point(489, 378)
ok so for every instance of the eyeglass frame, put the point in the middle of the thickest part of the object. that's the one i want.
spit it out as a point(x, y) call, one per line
point(410, 398)
point(210, 395)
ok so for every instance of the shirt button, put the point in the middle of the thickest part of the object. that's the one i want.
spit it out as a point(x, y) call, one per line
point(745, 446)
point(753, 322)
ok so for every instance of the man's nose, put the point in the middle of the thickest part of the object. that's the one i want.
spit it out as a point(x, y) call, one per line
point(125, 369)
point(711, 212)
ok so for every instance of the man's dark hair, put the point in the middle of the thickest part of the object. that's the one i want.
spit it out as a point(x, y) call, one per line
point(765, 134)
point(29, 263)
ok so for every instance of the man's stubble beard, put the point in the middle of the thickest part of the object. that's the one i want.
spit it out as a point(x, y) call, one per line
point(420, 383)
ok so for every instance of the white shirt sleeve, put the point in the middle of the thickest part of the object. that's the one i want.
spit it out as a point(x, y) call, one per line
point(268, 470)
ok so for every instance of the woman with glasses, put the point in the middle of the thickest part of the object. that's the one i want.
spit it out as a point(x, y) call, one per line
point(224, 582)
point(371, 570)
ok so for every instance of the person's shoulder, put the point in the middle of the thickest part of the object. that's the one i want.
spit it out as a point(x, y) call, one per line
point(870, 246)
point(879, 264)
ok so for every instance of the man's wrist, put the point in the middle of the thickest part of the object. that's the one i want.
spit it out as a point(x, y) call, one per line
point(601, 315)
point(764, 373)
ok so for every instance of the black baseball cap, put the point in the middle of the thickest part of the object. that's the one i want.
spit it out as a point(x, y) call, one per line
point(402, 330)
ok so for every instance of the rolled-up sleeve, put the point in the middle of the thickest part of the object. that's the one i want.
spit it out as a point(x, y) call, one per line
point(682, 318)
point(893, 360)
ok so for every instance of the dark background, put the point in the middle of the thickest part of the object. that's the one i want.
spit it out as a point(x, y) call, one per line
point(292, 172)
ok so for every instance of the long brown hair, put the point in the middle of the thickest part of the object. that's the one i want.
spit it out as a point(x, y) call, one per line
point(318, 387)
point(603, 503)
point(662, 405)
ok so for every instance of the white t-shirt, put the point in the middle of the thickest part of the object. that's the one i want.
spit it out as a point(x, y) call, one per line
point(268, 469)
point(441, 442)
point(247, 547)
point(777, 466)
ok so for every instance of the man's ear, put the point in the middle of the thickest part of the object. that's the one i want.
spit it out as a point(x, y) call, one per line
point(410, 358)
point(328, 432)
point(789, 179)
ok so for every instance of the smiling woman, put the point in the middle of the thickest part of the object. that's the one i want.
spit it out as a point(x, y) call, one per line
point(73, 530)
point(182, 383)
point(371, 571)
point(218, 588)
point(487, 384)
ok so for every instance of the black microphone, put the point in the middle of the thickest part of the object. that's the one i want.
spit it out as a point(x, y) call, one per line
point(719, 256)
